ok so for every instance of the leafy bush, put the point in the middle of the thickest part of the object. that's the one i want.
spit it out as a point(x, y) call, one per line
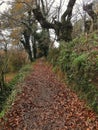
point(79, 60)
point(16, 60)
point(53, 56)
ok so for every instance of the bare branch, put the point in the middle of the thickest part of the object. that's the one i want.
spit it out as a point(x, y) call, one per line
point(44, 23)
point(89, 9)
point(68, 12)
point(1, 2)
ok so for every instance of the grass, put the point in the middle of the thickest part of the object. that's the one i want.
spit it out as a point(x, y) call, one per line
point(7, 97)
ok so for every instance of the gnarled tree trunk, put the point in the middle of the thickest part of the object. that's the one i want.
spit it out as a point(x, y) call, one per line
point(62, 29)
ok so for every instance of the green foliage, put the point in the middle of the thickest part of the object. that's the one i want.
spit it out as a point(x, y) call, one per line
point(43, 43)
point(79, 60)
point(53, 56)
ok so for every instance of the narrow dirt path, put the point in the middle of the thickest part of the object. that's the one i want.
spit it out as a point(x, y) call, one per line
point(47, 104)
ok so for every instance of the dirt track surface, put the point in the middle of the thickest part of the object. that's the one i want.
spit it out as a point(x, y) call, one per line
point(47, 104)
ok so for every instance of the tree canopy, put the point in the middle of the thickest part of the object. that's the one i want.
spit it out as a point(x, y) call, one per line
point(26, 19)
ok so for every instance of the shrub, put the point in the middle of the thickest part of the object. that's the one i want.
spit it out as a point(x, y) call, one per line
point(53, 56)
point(79, 61)
point(16, 60)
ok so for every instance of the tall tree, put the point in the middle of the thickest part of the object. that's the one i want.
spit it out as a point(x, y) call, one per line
point(63, 29)
point(22, 16)
point(90, 11)
point(22, 24)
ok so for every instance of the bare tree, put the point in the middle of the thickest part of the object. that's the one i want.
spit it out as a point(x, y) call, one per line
point(91, 24)
point(1, 3)
point(62, 29)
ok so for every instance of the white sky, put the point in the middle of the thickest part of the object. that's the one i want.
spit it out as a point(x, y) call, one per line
point(4, 6)
point(79, 3)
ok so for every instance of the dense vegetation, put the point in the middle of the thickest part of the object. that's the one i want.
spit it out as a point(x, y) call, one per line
point(79, 60)
point(26, 34)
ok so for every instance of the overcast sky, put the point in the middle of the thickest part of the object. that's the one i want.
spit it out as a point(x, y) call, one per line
point(5, 6)
point(78, 4)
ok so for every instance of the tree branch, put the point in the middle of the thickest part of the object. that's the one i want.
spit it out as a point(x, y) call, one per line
point(42, 20)
point(89, 9)
point(1, 2)
point(68, 12)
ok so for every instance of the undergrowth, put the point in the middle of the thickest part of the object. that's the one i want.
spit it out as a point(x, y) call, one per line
point(78, 59)
point(7, 96)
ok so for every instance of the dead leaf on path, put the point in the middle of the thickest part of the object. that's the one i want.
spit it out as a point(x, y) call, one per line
point(45, 101)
